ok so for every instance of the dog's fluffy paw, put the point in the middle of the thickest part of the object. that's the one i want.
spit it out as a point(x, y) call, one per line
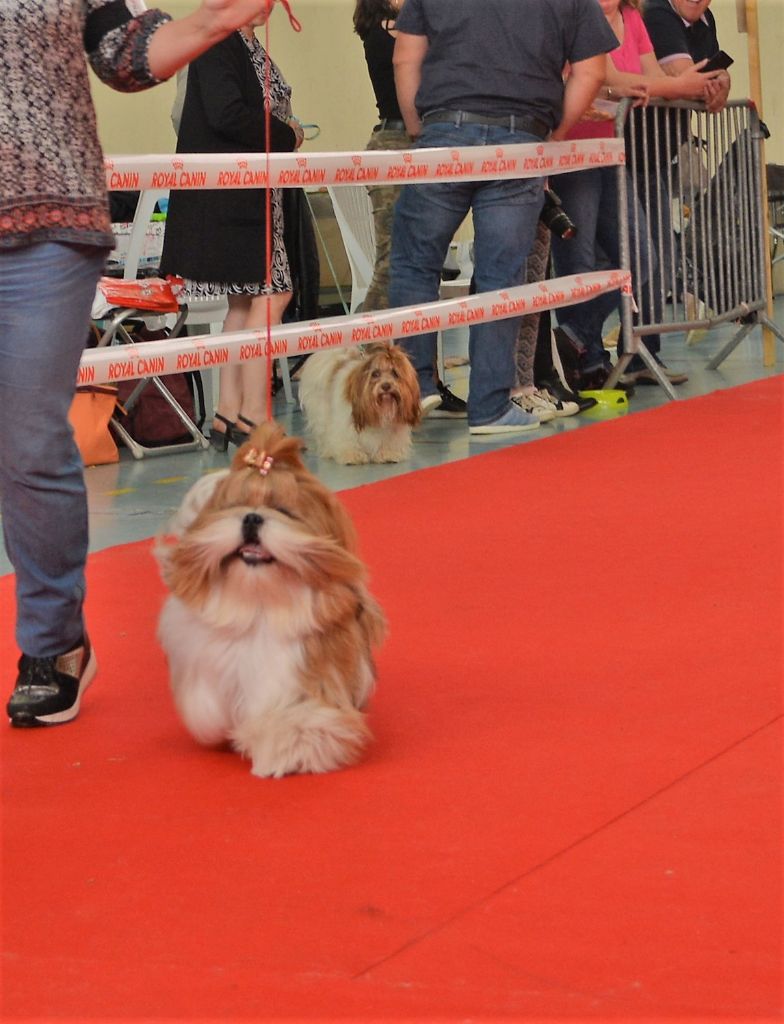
point(306, 737)
point(353, 457)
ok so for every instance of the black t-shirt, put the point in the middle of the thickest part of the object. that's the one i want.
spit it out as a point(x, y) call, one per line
point(503, 56)
point(672, 37)
point(379, 47)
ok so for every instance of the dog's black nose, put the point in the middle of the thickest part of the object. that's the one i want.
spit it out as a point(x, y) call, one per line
point(250, 527)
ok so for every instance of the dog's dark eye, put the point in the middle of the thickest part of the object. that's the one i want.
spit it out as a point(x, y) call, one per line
point(395, 374)
point(286, 512)
point(375, 373)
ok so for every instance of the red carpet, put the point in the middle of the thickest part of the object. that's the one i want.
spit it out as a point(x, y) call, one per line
point(572, 810)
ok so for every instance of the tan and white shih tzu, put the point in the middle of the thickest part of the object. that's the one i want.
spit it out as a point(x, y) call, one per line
point(269, 627)
point(360, 404)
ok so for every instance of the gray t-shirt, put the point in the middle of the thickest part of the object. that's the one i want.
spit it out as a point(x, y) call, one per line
point(503, 56)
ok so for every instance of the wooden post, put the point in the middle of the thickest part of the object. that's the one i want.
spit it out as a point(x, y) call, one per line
point(755, 86)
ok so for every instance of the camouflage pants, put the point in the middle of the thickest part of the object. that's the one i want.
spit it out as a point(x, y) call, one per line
point(383, 199)
point(536, 270)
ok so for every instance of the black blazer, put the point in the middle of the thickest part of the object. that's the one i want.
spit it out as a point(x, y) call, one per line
point(218, 235)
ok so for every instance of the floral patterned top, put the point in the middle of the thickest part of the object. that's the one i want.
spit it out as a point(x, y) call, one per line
point(52, 183)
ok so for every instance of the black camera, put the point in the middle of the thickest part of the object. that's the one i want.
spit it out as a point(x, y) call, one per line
point(554, 217)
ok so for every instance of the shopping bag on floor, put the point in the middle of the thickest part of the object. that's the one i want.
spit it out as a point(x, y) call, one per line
point(91, 409)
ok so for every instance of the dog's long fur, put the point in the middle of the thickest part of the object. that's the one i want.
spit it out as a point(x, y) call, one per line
point(269, 626)
point(361, 405)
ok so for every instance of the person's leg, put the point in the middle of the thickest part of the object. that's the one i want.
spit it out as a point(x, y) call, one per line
point(254, 381)
point(46, 292)
point(657, 226)
point(382, 200)
point(505, 215)
point(230, 377)
point(579, 192)
point(525, 346)
point(425, 220)
point(587, 196)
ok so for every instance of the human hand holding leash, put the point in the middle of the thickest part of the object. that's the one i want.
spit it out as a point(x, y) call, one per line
point(178, 42)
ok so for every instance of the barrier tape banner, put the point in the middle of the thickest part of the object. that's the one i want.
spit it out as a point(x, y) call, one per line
point(295, 170)
point(130, 362)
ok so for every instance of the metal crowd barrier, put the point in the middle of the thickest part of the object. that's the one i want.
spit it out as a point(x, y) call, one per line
point(690, 208)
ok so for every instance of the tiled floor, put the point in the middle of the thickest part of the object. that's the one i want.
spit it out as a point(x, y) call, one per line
point(133, 500)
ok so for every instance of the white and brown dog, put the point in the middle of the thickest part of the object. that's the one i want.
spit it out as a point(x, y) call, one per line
point(360, 405)
point(269, 626)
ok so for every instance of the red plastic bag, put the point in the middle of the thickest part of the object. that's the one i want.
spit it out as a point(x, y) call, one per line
point(153, 293)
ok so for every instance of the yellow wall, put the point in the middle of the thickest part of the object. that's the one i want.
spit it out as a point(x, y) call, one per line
point(325, 66)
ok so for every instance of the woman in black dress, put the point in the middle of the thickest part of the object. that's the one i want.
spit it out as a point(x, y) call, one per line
point(216, 239)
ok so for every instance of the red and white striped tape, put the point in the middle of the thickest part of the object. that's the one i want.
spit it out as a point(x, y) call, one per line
point(378, 167)
point(129, 362)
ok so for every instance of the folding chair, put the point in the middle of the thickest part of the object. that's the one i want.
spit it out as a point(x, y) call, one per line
point(115, 332)
point(354, 215)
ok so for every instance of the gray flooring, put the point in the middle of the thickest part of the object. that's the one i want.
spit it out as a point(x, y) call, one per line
point(133, 500)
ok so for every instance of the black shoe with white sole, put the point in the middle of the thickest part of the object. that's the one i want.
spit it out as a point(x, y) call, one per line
point(554, 386)
point(48, 691)
point(451, 406)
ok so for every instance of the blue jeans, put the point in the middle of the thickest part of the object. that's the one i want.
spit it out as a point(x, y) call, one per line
point(651, 308)
point(591, 200)
point(46, 291)
point(505, 214)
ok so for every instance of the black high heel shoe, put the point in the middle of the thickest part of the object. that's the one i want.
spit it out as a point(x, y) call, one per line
point(238, 436)
point(219, 439)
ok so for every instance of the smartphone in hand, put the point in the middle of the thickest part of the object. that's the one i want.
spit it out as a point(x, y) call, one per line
point(719, 62)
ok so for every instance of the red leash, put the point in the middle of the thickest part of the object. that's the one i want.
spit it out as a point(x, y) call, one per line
point(296, 25)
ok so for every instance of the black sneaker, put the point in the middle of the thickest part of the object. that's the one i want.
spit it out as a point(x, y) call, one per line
point(48, 690)
point(451, 406)
point(563, 394)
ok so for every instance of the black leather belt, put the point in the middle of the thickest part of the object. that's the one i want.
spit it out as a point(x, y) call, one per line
point(388, 122)
point(514, 122)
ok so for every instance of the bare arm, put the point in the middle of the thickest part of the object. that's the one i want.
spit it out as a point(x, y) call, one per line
point(408, 58)
point(584, 81)
point(177, 43)
point(717, 84)
point(688, 84)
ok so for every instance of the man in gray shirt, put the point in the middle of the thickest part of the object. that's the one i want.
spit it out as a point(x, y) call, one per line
point(485, 73)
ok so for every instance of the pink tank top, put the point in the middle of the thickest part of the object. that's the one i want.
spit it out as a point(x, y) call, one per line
point(597, 121)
